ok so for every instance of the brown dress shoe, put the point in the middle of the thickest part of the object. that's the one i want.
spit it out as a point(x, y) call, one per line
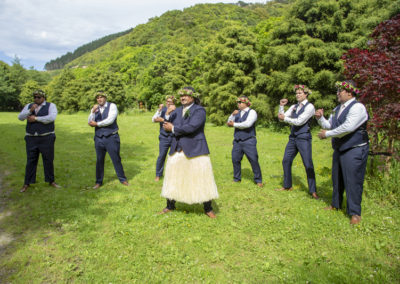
point(260, 184)
point(284, 189)
point(96, 186)
point(164, 211)
point(330, 207)
point(125, 183)
point(53, 184)
point(211, 214)
point(157, 179)
point(24, 188)
point(314, 195)
point(355, 219)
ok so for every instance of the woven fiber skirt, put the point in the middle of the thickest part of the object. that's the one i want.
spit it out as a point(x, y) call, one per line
point(189, 180)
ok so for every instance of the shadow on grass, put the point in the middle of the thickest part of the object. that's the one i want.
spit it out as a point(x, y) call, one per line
point(44, 210)
point(195, 208)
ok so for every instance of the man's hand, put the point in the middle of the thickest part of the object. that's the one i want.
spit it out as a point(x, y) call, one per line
point(168, 126)
point(322, 134)
point(33, 107)
point(159, 119)
point(235, 112)
point(160, 106)
point(93, 123)
point(319, 113)
point(95, 108)
point(283, 102)
point(281, 116)
point(170, 109)
point(230, 123)
point(31, 118)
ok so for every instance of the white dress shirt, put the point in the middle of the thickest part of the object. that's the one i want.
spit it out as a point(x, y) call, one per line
point(355, 118)
point(309, 111)
point(156, 115)
point(46, 119)
point(184, 109)
point(250, 120)
point(112, 115)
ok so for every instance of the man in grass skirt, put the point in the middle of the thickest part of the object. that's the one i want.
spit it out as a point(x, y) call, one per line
point(188, 173)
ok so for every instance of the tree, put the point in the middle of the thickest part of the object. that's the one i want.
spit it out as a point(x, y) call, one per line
point(8, 100)
point(376, 70)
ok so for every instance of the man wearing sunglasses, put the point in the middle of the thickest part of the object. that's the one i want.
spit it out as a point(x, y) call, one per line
point(245, 142)
point(39, 137)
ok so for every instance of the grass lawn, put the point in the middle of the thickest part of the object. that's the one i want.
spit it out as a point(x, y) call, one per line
point(114, 235)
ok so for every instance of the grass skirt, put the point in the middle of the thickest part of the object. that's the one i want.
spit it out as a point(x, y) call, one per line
point(189, 180)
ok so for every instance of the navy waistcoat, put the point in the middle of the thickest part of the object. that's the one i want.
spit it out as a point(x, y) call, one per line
point(39, 127)
point(357, 137)
point(300, 129)
point(246, 133)
point(106, 130)
point(162, 131)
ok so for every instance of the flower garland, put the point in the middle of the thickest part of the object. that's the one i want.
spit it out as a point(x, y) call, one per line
point(170, 97)
point(347, 86)
point(243, 100)
point(302, 87)
point(187, 92)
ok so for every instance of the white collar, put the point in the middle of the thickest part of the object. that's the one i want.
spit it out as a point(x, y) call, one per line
point(105, 105)
point(246, 109)
point(303, 102)
point(187, 107)
point(348, 102)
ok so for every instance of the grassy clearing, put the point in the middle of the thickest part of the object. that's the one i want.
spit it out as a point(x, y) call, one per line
point(114, 235)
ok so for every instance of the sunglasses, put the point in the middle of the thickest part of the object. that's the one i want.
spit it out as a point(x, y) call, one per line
point(239, 102)
point(36, 97)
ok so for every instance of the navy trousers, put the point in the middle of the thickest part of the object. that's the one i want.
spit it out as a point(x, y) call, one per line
point(163, 146)
point(36, 145)
point(248, 148)
point(304, 146)
point(348, 172)
point(110, 145)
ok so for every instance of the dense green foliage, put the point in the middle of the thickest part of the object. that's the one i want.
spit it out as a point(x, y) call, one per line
point(225, 50)
point(61, 61)
point(113, 235)
point(12, 83)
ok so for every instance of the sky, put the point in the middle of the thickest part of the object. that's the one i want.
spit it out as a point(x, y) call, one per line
point(37, 31)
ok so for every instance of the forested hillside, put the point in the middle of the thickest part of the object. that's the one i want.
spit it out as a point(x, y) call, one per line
point(224, 50)
point(61, 61)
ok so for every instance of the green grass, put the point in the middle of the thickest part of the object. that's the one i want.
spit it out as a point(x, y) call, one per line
point(113, 235)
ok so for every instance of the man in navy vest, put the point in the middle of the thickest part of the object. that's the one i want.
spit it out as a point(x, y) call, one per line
point(188, 173)
point(245, 141)
point(348, 128)
point(165, 138)
point(39, 137)
point(103, 117)
point(298, 116)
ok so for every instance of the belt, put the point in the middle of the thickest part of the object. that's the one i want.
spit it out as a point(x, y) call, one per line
point(37, 134)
